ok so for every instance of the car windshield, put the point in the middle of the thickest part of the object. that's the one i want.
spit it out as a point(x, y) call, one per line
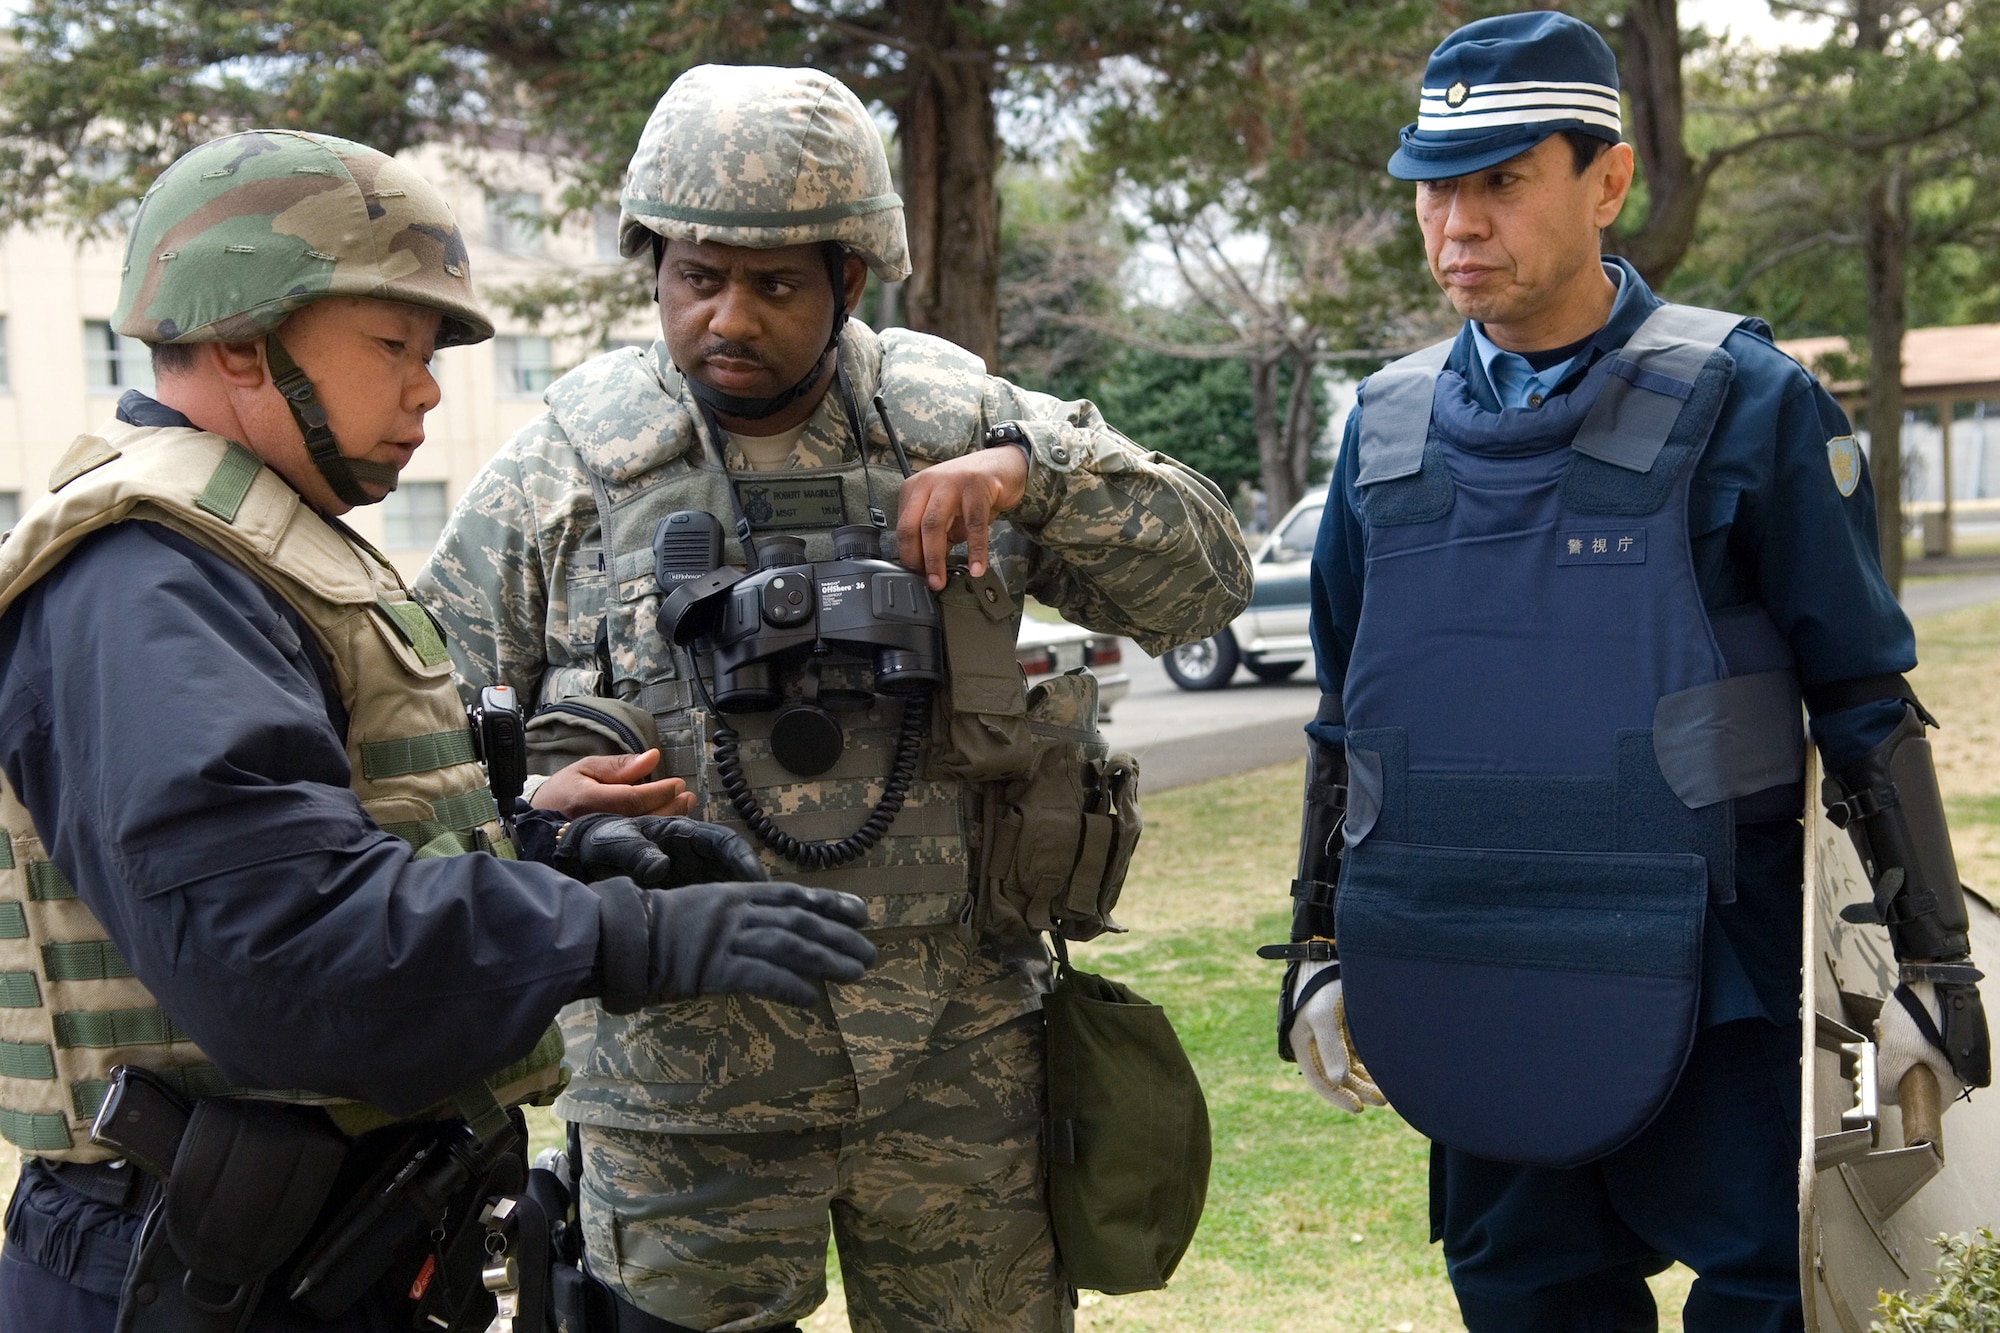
point(1296, 538)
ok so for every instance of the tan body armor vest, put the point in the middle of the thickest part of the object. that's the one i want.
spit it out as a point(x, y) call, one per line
point(919, 875)
point(70, 1008)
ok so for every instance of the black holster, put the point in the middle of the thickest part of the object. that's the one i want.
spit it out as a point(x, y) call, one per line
point(248, 1181)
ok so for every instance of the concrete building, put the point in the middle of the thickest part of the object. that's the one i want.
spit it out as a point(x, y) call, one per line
point(62, 366)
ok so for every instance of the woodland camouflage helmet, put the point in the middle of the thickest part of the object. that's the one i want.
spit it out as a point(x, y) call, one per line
point(242, 231)
point(245, 229)
point(762, 157)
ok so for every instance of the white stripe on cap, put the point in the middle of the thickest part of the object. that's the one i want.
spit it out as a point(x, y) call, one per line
point(1530, 116)
point(1495, 104)
point(1552, 85)
point(1475, 103)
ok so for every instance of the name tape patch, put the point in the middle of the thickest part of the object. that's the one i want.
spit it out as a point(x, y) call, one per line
point(1621, 547)
point(814, 503)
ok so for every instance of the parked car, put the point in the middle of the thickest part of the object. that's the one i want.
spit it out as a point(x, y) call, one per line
point(1048, 647)
point(1270, 638)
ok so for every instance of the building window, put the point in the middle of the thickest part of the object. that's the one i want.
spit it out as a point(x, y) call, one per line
point(526, 363)
point(10, 509)
point(604, 228)
point(112, 362)
point(413, 515)
point(514, 222)
point(6, 371)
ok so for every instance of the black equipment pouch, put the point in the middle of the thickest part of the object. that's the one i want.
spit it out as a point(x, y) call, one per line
point(412, 1232)
point(1055, 844)
point(248, 1181)
point(1127, 1140)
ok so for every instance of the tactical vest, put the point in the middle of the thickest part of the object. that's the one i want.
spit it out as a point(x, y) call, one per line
point(919, 875)
point(1549, 740)
point(70, 1008)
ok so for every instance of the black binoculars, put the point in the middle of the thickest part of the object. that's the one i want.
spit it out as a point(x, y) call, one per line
point(788, 609)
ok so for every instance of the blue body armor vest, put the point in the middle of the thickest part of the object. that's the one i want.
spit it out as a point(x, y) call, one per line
point(1550, 741)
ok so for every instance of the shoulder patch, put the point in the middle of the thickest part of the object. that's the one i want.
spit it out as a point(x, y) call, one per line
point(1843, 456)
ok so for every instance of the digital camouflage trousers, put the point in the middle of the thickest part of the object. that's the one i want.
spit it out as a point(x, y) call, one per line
point(937, 1207)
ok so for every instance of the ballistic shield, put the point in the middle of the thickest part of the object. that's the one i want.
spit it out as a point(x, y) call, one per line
point(1876, 1182)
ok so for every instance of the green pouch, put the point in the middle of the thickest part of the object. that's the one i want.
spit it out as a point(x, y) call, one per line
point(1055, 844)
point(981, 723)
point(567, 730)
point(1127, 1141)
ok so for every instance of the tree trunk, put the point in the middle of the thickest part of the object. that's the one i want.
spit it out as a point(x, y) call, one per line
point(1273, 473)
point(1884, 248)
point(950, 155)
point(1884, 245)
point(1650, 44)
point(1301, 429)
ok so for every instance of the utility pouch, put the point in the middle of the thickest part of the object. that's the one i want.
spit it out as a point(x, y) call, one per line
point(248, 1181)
point(569, 729)
point(1127, 1140)
point(981, 721)
point(410, 1229)
point(1056, 843)
point(446, 1289)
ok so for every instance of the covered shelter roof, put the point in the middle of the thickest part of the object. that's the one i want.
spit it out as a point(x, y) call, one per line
point(1939, 365)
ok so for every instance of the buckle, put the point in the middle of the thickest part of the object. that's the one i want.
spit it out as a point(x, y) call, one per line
point(1315, 950)
point(1862, 804)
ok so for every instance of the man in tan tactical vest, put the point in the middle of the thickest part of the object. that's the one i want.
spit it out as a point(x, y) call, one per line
point(725, 1141)
point(249, 849)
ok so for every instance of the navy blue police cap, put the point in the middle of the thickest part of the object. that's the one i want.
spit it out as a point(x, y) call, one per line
point(1496, 88)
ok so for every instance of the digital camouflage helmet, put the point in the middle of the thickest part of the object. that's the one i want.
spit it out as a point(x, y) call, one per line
point(241, 231)
point(762, 157)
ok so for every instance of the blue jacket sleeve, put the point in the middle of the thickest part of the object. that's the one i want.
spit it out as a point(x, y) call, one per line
point(1336, 588)
point(163, 717)
point(1807, 552)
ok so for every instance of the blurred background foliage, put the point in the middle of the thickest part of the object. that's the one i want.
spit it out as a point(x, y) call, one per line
point(1174, 207)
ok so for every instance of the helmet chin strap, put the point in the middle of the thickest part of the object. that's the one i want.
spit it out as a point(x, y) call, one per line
point(756, 409)
point(342, 473)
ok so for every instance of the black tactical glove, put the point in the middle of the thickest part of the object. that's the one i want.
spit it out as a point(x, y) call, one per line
point(777, 941)
point(655, 851)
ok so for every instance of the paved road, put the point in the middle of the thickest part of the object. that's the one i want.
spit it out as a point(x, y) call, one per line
point(1930, 597)
point(1181, 737)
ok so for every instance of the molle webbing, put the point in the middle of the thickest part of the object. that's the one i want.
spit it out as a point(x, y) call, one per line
point(919, 874)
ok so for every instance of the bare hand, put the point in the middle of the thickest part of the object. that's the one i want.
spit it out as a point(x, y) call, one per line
point(956, 501)
point(613, 784)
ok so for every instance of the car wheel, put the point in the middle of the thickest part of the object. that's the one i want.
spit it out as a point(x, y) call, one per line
point(1273, 672)
point(1205, 664)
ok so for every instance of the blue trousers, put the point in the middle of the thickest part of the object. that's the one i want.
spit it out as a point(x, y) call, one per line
point(1712, 1183)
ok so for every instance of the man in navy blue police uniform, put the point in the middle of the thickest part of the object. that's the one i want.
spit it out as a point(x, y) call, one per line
point(1581, 566)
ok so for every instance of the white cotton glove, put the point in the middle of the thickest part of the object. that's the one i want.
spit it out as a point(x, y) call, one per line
point(1901, 1044)
point(1325, 1053)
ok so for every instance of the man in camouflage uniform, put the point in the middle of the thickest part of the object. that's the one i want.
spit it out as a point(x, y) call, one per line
point(246, 843)
point(719, 1137)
